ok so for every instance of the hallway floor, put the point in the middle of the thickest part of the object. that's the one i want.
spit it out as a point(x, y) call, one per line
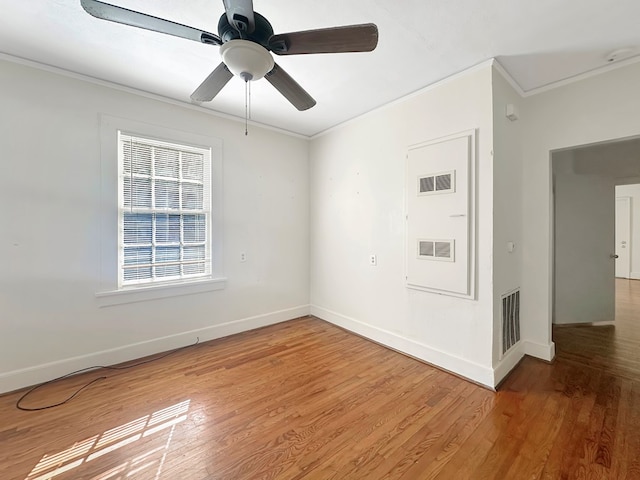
point(615, 348)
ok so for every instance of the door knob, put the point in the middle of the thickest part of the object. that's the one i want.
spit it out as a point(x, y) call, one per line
point(613, 255)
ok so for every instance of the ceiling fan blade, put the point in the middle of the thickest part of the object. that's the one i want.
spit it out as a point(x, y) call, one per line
point(240, 14)
point(212, 84)
point(106, 11)
point(349, 38)
point(288, 87)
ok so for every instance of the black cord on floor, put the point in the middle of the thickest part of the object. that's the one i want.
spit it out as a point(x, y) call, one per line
point(97, 367)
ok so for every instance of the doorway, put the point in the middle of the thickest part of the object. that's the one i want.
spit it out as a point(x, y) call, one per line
point(586, 182)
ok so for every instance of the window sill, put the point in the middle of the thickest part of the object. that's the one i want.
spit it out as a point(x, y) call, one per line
point(153, 292)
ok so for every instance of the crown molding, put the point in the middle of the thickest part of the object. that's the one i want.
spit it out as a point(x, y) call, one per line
point(142, 93)
point(409, 96)
point(609, 67)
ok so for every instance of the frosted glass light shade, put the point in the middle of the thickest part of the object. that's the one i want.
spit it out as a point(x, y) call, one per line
point(248, 60)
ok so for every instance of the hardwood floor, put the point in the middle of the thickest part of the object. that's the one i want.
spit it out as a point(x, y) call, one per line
point(612, 348)
point(305, 399)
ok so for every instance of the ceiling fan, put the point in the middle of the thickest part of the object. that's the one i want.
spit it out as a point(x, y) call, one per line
point(246, 39)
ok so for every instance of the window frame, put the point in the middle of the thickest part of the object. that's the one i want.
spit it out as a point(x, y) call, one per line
point(154, 210)
point(111, 290)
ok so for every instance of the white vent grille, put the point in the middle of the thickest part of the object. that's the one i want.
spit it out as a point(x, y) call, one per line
point(436, 183)
point(510, 320)
point(436, 250)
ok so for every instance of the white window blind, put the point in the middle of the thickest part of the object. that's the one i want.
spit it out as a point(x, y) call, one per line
point(164, 211)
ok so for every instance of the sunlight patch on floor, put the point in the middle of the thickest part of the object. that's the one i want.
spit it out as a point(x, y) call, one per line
point(114, 439)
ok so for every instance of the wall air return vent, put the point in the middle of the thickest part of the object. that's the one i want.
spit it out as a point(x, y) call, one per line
point(436, 250)
point(436, 183)
point(510, 320)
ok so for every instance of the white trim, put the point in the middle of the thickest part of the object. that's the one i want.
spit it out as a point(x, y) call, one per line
point(511, 359)
point(539, 350)
point(460, 366)
point(583, 76)
point(142, 93)
point(491, 62)
point(551, 257)
point(409, 96)
point(41, 373)
point(153, 292)
point(508, 362)
point(567, 81)
point(471, 214)
point(634, 275)
point(510, 80)
point(109, 131)
point(599, 143)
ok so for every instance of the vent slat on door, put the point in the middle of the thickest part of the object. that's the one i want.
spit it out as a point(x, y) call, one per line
point(443, 249)
point(426, 185)
point(426, 249)
point(510, 320)
point(443, 182)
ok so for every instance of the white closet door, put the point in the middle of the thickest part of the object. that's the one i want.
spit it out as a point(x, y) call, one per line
point(439, 209)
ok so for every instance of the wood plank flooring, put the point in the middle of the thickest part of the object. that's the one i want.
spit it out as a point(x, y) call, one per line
point(305, 399)
point(612, 348)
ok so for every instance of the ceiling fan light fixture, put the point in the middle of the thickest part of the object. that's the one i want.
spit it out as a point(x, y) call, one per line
point(246, 59)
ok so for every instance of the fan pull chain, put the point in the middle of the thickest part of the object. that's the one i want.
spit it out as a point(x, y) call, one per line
point(246, 107)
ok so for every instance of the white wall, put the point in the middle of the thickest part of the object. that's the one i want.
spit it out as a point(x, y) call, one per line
point(619, 159)
point(596, 109)
point(49, 130)
point(584, 239)
point(50, 230)
point(633, 191)
point(507, 211)
point(357, 209)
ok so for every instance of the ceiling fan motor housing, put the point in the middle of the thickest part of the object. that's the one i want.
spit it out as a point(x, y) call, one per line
point(261, 34)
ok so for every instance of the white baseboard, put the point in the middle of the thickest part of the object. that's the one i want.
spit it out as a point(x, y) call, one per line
point(541, 351)
point(508, 362)
point(634, 275)
point(41, 373)
point(470, 370)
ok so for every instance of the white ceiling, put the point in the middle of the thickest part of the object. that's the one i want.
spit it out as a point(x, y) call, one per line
point(421, 41)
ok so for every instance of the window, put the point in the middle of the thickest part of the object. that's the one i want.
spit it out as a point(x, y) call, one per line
point(164, 204)
point(161, 212)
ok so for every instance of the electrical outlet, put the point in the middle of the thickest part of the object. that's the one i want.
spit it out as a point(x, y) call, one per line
point(373, 260)
point(243, 257)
